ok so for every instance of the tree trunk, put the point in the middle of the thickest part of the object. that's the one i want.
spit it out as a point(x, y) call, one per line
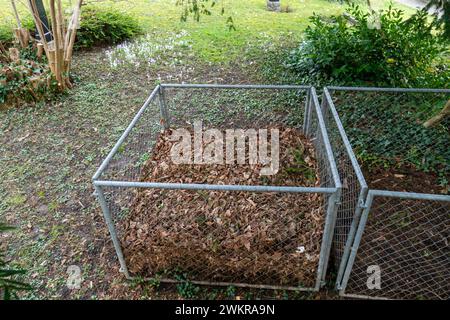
point(445, 112)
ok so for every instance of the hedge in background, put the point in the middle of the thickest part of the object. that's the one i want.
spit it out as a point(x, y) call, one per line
point(98, 25)
point(105, 26)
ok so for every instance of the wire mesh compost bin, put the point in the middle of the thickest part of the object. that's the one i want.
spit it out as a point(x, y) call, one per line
point(223, 223)
point(392, 229)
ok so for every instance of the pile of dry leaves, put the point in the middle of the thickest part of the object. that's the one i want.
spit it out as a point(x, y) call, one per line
point(246, 237)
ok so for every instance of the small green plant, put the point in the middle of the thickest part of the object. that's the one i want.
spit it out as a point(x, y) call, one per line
point(401, 219)
point(154, 282)
point(185, 288)
point(300, 166)
point(143, 159)
point(211, 294)
point(230, 292)
point(9, 285)
point(100, 25)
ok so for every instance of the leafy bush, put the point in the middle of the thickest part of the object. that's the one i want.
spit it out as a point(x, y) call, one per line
point(6, 30)
point(98, 25)
point(105, 26)
point(381, 48)
point(6, 35)
point(25, 80)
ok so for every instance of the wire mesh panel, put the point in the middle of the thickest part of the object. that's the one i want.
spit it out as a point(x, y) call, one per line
point(235, 107)
point(173, 238)
point(405, 241)
point(385, 129)
point(395, 152)
point(221, 224)
point(354, 189)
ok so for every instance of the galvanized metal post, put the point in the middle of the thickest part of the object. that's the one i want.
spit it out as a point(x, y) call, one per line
point(335, 201)
point(327, 237)
point(323, 106)
point(355, 246)
point(307, 110)
point(351, 235)
point(308, 119)
point(163, 108)
point(112, 230)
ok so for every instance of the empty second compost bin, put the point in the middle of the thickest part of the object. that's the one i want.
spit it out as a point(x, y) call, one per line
point(224, 223)
point(393, 229)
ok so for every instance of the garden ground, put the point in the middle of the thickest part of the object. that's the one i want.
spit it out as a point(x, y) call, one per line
point(49, 152)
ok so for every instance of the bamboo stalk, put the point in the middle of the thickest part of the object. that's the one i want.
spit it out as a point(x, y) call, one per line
point(40, 50)
point(56, 41)
point(69, 49)
point(69, 30)
point(51, 60)
point(26, 35)
point(18, 36)
point(61, 23)
point(23, 36)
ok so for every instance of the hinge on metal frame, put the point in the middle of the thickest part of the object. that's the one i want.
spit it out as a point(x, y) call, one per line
point(361, 204)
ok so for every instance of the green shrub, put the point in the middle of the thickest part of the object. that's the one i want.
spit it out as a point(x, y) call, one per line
point(380, 48)
point(28, 23)
point(6, 30)
point(6, 35)
point(98, 25)
point(105, 26)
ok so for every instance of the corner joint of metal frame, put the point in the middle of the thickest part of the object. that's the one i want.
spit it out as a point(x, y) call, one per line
point(361, 204)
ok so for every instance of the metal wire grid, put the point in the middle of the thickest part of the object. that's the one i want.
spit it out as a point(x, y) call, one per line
point(354, 188)
point(222, 107)
point(406, 234)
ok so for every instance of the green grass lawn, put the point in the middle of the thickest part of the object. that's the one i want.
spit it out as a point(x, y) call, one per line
point(211, 38)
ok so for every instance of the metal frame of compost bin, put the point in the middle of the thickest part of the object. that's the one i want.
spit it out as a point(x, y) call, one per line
point(312, 106)
point(363, 202)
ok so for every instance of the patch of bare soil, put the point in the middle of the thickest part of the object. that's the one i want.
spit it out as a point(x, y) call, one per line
point(408, 239)
point(405, 179)
point(259, 238)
